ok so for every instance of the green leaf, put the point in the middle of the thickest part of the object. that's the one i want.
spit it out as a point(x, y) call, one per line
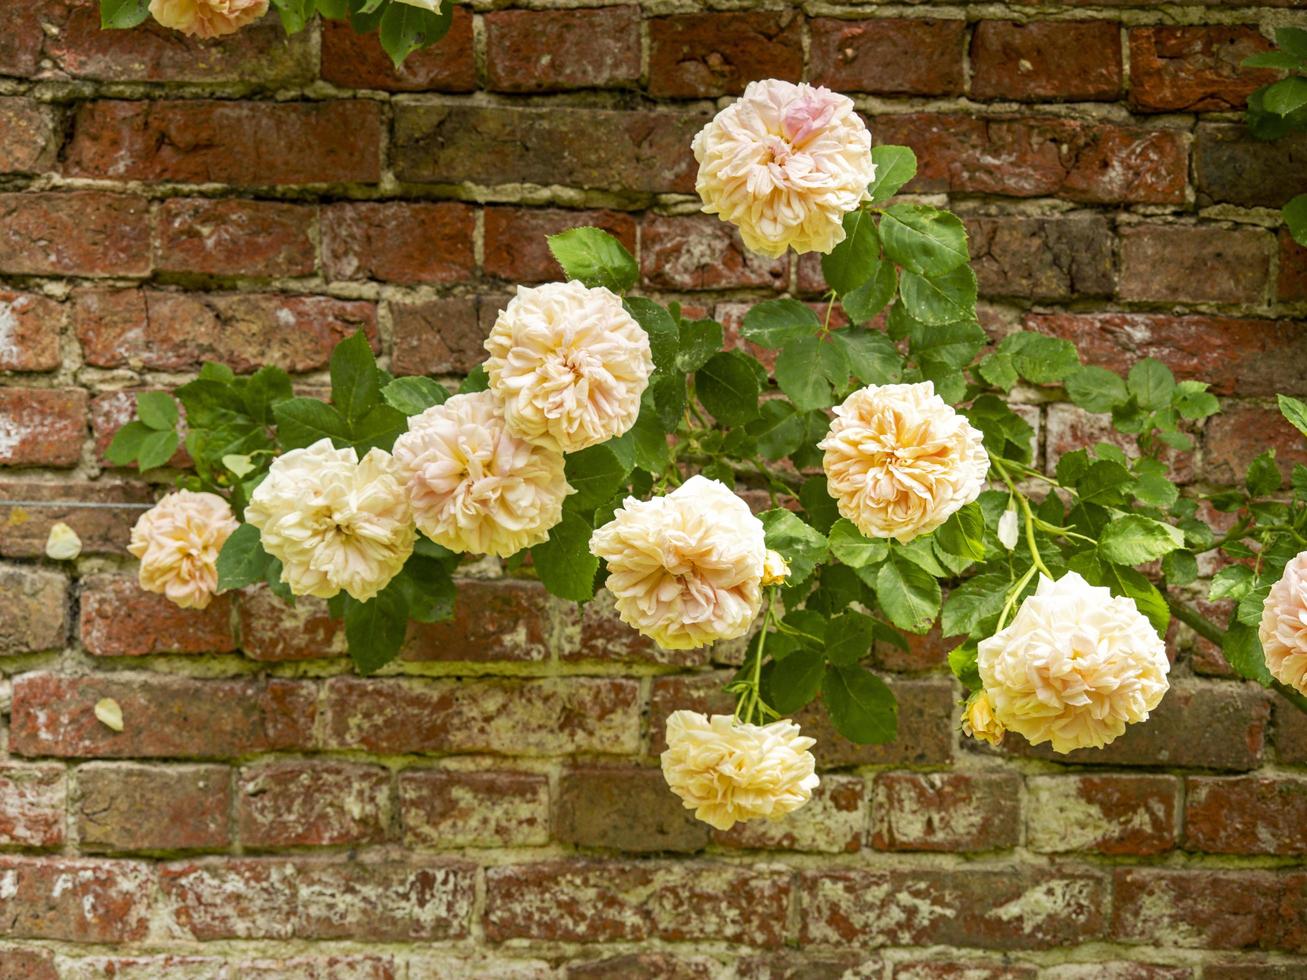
point(157, 410)
point(1295, 217)
point(951, 345)
point(126, 443)
point(962, 663)
point(1193, 401)
point(242, 560)
point(123, 13)
point(303, 421)
point(428, 591)
point(860, 704)
point(849, 637)
point(564, 562)
point(849, 545)
point(871, 355)
point(156, 449)
point(818, 505)
point(1105, 482)
point(1096, 389)
point(778, 429)
point(355, 384)
point(413, 396)
point(974, 603)
point(1295, 411)
point(873, 295)
point(1180, 567)
point(295, 14)
point(939, 300)
point(1233, 582)
point(908, 593)
point(923, 239)
point(596, 474)
point(405, 28)
point(1293, 40)
point(895, 166)
point(660, 327)
point(264, 390)
point(1039, 359)
point(477, 380)
point(375, 630)
point(1244, 652)
point(964, 533)
point(856, 259)
point(728, 387)
point(802, 546)
point(799, 374)
point(796, 679)
point(700, 340)
point(1133, 539)
point(333, 9)
point(379, 428)
point(595, 257)
point(1263, 475)
point(1272, 59)
point(1286, 96)
point(777, 322)
point(1152, 383)
point(999, 370)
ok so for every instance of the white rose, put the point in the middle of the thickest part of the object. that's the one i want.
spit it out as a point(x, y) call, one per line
point(569, 364)
point(1283, 629)
point(178, 541)
point(1074, 667)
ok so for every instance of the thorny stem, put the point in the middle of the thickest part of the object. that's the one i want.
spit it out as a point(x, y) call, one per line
point(1029, 517)
point(753, 698)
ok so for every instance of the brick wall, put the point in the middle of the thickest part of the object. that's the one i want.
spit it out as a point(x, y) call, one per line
point(495, 810)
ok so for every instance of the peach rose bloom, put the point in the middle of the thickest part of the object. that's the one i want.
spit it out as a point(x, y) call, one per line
point(569, 364)
point(178, 541)
point(685, 569)
point(978, 719)
point(1075, 666)
point(337, 523)
point(784, 163)
point(207, 18)
point(727, 771)
point(900, 461)
point(1283, 629)
point(473, 485)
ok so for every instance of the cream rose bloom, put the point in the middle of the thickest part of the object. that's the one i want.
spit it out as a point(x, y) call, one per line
point(725, 770)
point(900, 461)
point(178, 541)
point(685, 569)
point(335, 522)
point(207, 18)
point(785, 163)
point(569, 364)
point(1074, 667)
point(1283, 629)
point(978, 719)
point(432, 6)
point(473, 485)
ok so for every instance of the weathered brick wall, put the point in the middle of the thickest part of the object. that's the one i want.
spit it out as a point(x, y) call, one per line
point(496, 810)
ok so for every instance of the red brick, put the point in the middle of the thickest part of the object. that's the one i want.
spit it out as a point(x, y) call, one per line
point(1038, 156)
point(646, 966)
point(946, 812)
point(833, 821)
point(31, 806)
point(624, 810)
point(628, 150)
point(126, 807)
point(76, 900)
point(120, 619)
point(243, 143)
point(698, 55)
point(454, 966)
point(42, 426)
point(163, 716)
point(515, 239)
point(1253, 970)
point(26, 964)
point(74, 233)
point(1234, 355)
point(1246, 814)
point(379, 902)
point(439, 336)
point(33, 609)
point(1199, 725)
point(30, 327)
point(1041, 258)
point(889, 56)
point(702, 252)
point(1242, 431)
point(319, 968)
point(24, 529)
point(1290, 733)
point(312, 804)
point(21, 39)
point(227, 237)
point(1194, 69)
point(962, 970)
point(925, 652)
point(601, 636)
point(1107, 814)
point(1196, 264)
point(1195, 908)
point(1118, 970)
point(812, 965)
point(271, 629)
point(512, 717)
point(570, 901)
point(555, 50)
point(1008, 908)
point(1232, 166)
point(1292, 919)
point(1293, 269)
point(399, 242)
point(353, 60)
point(1046, 60)
point(446, 808)
point(179, 331)
point(507, 620)
point(1069, 427)
point(27, 136)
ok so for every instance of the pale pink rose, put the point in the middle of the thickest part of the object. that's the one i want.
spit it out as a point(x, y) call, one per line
point(336, 523)
point(207, 18)
point(900, 461)
point(1283, 629)
point(685, 569)
point(569, 364)
point(473, 485)
point(1074, 667)
point(727, 771)
point(785, 163)
point(178, 541)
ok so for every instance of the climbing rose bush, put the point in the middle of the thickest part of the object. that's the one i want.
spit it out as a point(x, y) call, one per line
point(876, 484)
